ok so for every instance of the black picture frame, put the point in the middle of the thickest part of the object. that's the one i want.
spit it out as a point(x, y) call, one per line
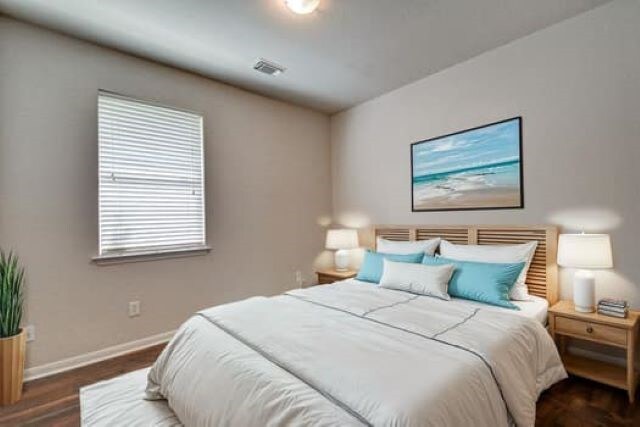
point(479, 208)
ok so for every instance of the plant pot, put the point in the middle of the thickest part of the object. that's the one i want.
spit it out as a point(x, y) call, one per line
point(12, 351)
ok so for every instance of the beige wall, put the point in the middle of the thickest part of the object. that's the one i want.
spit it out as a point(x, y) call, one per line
point(268, 174)
point(577, 86)
point(268, 183)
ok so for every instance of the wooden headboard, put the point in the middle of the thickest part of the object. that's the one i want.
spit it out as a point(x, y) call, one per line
point(542, 278)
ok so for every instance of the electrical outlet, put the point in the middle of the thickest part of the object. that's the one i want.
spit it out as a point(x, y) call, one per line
point(134, 308)
point(299, 278)
point(30, 331)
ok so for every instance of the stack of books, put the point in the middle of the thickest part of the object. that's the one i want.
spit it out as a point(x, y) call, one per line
point(613, 307)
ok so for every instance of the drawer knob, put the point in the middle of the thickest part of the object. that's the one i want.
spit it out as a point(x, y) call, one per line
point(589, 329)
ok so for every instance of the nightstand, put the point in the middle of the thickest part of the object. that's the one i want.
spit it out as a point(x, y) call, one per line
point(330, 276)
point(565, 322)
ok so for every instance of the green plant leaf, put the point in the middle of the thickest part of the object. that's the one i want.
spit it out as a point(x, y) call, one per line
point(11, 294)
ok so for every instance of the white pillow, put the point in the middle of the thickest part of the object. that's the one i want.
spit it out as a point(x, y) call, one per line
point(497, 254)
point(431, 280)
point(405, 248)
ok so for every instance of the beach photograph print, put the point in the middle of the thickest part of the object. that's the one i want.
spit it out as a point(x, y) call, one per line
point(479, 168)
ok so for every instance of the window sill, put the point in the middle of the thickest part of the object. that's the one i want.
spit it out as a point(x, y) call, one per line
point(141, 256)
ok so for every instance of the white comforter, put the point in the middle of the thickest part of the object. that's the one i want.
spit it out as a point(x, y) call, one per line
point(354, 354)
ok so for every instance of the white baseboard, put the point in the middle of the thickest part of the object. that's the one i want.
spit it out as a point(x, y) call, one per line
point(94, 356)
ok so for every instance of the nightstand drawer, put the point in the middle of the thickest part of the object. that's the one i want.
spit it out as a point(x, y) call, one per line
point(330, 276)
point(591, 331)
point(324, 279)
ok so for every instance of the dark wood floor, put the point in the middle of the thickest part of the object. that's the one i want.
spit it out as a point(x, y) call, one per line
point(53, 401)
point(579, 402)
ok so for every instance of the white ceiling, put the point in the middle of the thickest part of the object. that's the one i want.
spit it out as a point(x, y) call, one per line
point(345, 53)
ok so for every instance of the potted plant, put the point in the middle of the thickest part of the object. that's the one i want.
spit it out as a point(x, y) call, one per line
point(12, 337)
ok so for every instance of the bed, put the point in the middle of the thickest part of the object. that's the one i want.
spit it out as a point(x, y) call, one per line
point(353, 353)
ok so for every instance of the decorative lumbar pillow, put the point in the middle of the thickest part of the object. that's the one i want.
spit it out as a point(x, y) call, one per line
point(372, 264)
point(496, 254)
point(430, 280)
point(481, 281)
point(392, 247)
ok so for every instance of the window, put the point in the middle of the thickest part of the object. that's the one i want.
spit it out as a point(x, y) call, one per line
point(151, 196)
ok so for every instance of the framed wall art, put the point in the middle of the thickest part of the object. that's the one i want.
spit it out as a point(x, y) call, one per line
point(478, 168)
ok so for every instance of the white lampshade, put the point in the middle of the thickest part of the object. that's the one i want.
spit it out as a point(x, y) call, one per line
point(585, 251)
point(342, 239)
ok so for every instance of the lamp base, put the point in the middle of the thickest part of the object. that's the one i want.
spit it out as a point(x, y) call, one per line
point(341, 260)
point(584, 297)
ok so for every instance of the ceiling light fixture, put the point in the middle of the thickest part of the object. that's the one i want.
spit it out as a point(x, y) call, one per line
point(302, 7)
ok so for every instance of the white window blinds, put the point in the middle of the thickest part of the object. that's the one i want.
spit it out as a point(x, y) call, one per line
point(151, 177)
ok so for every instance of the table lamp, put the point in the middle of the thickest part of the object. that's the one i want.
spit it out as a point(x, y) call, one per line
point(584, 252)
point(341, 241)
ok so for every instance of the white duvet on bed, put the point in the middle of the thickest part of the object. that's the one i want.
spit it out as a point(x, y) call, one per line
point(355, 354)
point(534, 308)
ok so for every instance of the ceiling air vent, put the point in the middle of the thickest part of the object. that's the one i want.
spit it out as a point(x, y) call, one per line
point(268, 67)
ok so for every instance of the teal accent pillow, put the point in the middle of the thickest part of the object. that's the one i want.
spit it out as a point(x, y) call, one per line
point(481, 281)
point(372, 264)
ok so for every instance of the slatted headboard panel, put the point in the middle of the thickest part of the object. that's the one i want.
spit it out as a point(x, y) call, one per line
point(542, 278)
point(459, 236)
